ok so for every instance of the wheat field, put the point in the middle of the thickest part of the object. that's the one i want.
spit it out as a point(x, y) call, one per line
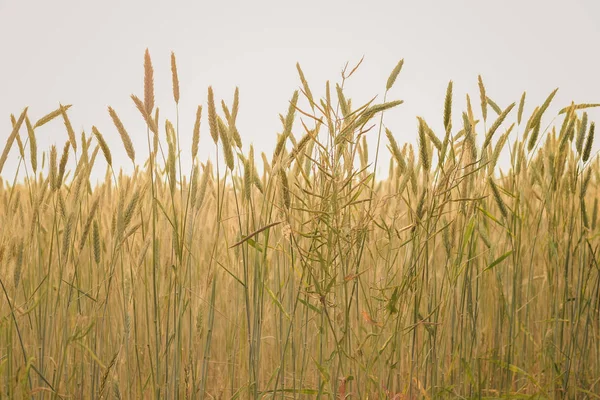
point(298, 274)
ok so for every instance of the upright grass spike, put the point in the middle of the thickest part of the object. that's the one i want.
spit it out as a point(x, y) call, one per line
point(534, 137)
point(63, 164)
point(483, 97)
point(394, 74)
point(581, 133)
point(587, 151)
point(212, 116)
point(174, 78)
point(53, 175)
point(148, 84)
point(448, 108)
point(521, 107)
point(423, 154)
point(289, 118)
point(196, 132)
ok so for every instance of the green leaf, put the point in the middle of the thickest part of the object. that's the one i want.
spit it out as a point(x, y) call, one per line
point(277, 302)
point(498, 260)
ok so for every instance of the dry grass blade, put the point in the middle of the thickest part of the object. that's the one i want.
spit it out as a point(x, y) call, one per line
point(256, 232)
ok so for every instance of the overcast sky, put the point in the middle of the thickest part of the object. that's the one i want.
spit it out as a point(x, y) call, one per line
point(90, 54)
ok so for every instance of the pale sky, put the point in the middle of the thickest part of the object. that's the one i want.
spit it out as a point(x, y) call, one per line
point(90, 54)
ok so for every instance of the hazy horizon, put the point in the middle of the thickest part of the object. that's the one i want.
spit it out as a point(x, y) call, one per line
point(91, 56)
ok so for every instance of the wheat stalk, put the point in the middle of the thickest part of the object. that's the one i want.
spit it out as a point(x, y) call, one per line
point(123, 133)
point(11, 139)
point(103, 145)
point(484, 101)
point(395, 72)
point(63, 164)
point(175, 78)
point(50, 116)
point(196, 132)
point(588, 144)
point(148, 84)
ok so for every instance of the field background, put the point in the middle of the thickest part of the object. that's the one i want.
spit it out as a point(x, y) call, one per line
point(419, 229)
